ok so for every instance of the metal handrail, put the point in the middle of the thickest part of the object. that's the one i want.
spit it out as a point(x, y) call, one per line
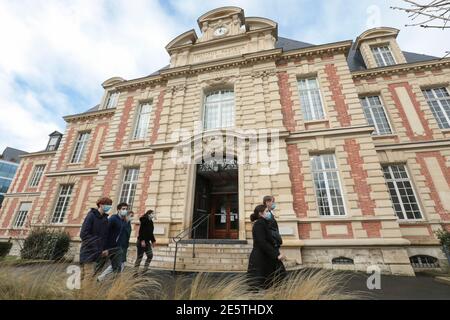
point(183, 234)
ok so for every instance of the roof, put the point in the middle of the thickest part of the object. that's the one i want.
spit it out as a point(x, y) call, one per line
point(12, 155)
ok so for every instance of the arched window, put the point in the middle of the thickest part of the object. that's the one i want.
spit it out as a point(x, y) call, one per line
point(219, 110)
point(423, 261)
point(342, 260)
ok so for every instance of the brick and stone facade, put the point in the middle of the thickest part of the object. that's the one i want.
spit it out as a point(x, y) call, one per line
point(263, 73)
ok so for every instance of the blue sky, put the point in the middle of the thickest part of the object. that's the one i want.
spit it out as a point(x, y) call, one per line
point(55, 53)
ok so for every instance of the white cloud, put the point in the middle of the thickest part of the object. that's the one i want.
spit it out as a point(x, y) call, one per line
point(55, 54)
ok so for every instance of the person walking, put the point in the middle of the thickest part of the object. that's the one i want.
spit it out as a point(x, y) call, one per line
point(123, 240)
point(146, 240)
point(269, 202)
point(94, 234)
point(265, 257)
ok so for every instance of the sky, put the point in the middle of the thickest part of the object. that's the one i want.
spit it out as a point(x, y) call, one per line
point(54, 54)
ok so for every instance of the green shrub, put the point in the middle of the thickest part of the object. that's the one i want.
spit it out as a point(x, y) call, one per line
point(444, 237)
point(4, 248)
point(45, 244)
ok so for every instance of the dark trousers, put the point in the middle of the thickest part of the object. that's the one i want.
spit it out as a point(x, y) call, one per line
point(140, 254)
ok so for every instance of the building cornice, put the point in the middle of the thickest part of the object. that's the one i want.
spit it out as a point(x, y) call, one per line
point(88, 115)
point(122, 153)
point(402, 68)
point(22, 194)
point(414, 145)
point(72, 172)
point(329, 48)
point(39, 153)
point(329, 132)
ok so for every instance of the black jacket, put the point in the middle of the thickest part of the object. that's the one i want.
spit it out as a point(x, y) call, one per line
point(94, 233)
point(263, 261)
point(146, 229)
point(118, 235)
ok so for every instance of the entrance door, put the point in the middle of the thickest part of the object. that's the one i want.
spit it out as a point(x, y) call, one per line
point(224, 219)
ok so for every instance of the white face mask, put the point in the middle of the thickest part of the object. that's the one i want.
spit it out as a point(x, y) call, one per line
point(152, 216)
point(123, 213)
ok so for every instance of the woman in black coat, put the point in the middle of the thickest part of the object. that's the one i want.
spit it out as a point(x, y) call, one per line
point(265, 258)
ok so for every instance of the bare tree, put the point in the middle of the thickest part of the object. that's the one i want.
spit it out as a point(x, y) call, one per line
point(427, 14)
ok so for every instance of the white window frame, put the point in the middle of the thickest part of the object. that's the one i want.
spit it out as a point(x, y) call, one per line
point(80, 147)
point(327, 187)
point(21, 215)
point(317, 112)
point(37, 175)
point(143, 121)
point(65, 194)
point(377, 50)
point(435, 98)
point(222, 124)
point(52, 143)
point(397, 192)
point(132, 182)
point(112, 100)
point(371, 108)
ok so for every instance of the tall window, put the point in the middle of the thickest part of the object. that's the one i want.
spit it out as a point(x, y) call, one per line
point(439, 101)
point(219, 110)
point(80, 147)
point(327, 185)
point(143, 121)
point(383, 56)
point(129, 185)
point(21, 216)
point(62, 203)
point(113, 98)
point(402, 193)
point(376, 115)
point(37, 175)
point(310, 99)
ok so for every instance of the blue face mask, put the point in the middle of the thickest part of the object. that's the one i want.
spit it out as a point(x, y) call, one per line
point(106, 208)
point(123, 213)
point(268, 215)
point(274, 206)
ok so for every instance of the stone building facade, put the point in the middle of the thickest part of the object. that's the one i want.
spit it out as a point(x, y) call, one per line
point(358, 133)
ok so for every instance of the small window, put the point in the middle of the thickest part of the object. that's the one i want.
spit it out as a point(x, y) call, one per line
point(22, 214)
point(310, 99)
point(129, 185)
point(439, 101)
point(342, 260)
point(383, 56)
point(113, 98)
point(402, 192)
point(62, 203)
point(422, 261)
point(219, 110)
point(53, 143)
point(80, 147)
point(143, 121)
point(376, 115)
point(327, 185)
point(37, 174)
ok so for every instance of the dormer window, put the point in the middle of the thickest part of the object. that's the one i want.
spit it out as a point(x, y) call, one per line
point(53, 143)
point(383, 56)
point(113, 98)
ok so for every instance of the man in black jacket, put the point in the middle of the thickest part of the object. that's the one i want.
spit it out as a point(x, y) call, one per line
point(145, 240)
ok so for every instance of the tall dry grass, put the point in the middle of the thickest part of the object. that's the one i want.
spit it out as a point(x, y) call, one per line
point(49, 282)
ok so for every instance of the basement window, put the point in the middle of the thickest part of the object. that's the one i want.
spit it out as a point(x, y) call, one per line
point(422, 261)
point(342, 260)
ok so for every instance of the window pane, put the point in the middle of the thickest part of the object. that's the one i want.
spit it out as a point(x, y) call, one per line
point(143, 121)
point(80, 147)
point(62, 203)
point(310, 99)
point(37, 174)
point(219, 110)
point(439, 101)
point(129, 185)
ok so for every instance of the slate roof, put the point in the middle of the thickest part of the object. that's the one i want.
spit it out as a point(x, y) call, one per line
point(12, 155)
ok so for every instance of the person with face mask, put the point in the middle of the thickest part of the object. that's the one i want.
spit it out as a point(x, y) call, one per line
point(94, 234)
point(265, 257)
point(269, 202)
point(117, 236)
point(145, 241)
point(123, 239)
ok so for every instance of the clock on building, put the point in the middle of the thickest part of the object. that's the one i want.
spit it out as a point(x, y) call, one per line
point(220, 31)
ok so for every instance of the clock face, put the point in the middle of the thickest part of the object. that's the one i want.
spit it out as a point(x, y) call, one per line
point(220, 31)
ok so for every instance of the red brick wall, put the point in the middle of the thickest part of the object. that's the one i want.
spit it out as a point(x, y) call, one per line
point(409, 132)
point(51, 192)
point(110, 178)
point(158, 111)
point(123, 123)
point(66, 148)
point(11, 211)
point(286, 101)
point(92, 143)
point(338, 97)
point(25, 177)
point(444, 214)
point(298, 188)
point(372, 228)
point(145, 185)
point(304, 230)
point(359, 175)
